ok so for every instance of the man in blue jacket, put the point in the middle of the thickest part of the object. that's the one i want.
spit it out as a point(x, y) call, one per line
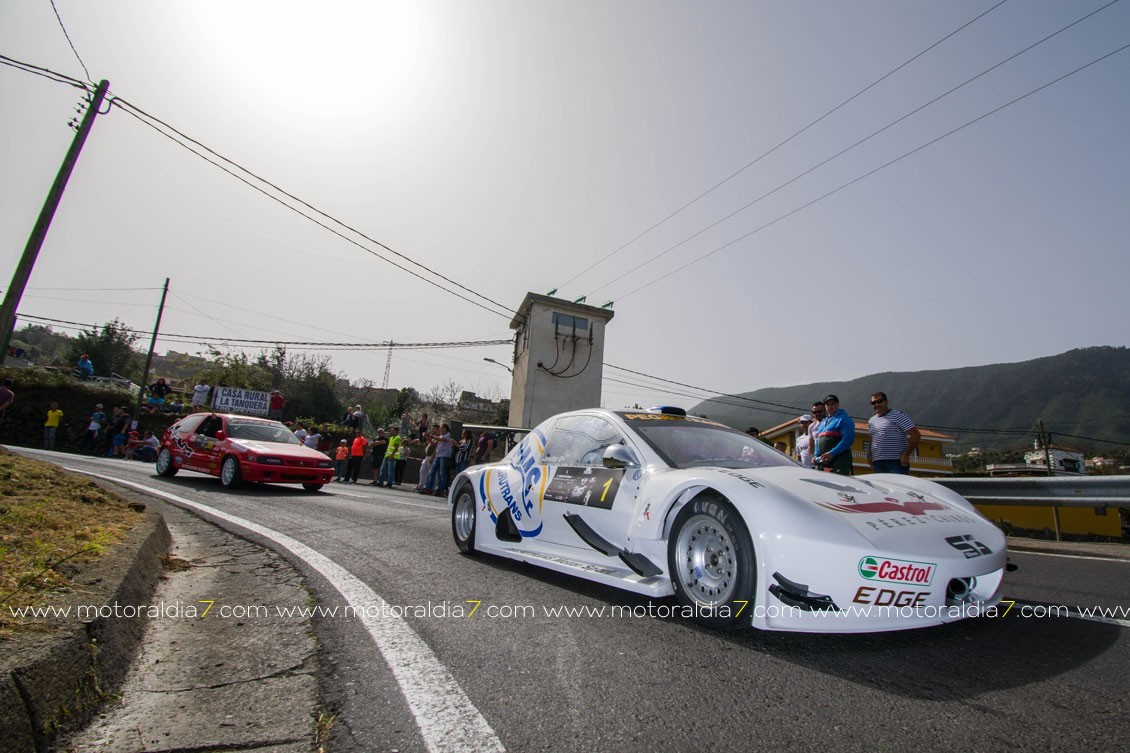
point(834, 439)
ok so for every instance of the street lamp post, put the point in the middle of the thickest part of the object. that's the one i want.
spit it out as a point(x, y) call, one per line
point(496, 363)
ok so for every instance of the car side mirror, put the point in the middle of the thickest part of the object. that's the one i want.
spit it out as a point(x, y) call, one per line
point(619, 456)
point(220, 435)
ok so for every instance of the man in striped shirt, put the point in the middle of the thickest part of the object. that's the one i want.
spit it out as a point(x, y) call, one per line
point(893, 437)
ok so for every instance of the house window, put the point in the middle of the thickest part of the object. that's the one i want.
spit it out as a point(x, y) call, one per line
point(566, 321)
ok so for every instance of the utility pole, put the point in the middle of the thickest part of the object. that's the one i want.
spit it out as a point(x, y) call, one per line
point(388, 366)
point(149, 356)
point(1046, 443)
point(23, 270)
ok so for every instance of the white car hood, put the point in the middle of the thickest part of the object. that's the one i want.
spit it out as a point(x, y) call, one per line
point(893, 514)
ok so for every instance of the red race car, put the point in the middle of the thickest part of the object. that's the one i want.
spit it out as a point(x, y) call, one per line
point(241, 448)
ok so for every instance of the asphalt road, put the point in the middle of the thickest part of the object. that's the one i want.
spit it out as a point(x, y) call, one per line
point(420, 674)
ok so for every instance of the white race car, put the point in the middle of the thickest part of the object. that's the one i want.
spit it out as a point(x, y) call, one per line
point(660, 503)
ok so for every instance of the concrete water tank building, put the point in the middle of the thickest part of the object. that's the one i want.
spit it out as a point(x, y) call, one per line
point(558, 358)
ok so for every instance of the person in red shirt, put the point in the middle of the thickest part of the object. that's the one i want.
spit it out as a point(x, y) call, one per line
point(356, 455)
point(275, 406)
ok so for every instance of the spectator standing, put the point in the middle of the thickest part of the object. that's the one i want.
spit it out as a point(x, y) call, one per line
point(426, 465)
point(819, 413)
point(275, 405)
point(405, 425)
point(85, 368)
point(200, 396)
point(403, 453)
point(51, 426)
point(893, 437)
point(117, 433)
point(834, 439)
point(423, 435)
point(484, 448)
point(387, 475)
point(300, 433)
point(463, 452)
point(97, 420)
point(358, 417)
point(437, 475)
point(356, 455)
point(380, 447)
point(804, 442)
point(342, 460)
point(312, 438)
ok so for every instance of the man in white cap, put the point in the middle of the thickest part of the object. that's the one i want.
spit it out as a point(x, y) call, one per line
point(804, 441)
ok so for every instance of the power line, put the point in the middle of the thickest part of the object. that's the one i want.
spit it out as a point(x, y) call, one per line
point(328, 346)
point(860, 142)
point(149, 120)
point(46, 73)
point(872, 172)
point(753, 162)
point(126, 108)
point(72, 44)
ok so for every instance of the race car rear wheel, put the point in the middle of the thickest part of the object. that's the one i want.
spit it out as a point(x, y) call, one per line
point(230, 475)
point(463, 518)
point(165, 464)
point(710, 554)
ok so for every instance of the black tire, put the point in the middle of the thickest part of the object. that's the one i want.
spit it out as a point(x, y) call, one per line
point(231, 477)
point(463, 512)
point(711, 560)
point(165, 464)
point(312, 487)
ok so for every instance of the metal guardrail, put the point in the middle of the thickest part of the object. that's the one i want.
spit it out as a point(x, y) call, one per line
point(1053, 491)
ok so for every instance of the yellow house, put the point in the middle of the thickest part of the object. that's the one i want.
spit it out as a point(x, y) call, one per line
point(928, 460)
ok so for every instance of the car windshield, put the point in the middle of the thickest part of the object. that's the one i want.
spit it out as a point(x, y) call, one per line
point(690, 445)
point(261, 431)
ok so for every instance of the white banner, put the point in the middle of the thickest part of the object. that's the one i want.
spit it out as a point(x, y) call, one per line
point(234, 400)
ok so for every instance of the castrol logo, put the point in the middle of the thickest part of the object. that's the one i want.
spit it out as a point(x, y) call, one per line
point(897, 571)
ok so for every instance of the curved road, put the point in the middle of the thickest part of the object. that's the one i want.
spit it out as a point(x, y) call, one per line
point(525, 674)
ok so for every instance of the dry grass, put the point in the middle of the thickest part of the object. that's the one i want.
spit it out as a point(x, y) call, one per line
point(51, 522)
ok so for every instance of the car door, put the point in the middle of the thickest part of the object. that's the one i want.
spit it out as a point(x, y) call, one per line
point(579, 486)
point(206, 448)
point(179, 440)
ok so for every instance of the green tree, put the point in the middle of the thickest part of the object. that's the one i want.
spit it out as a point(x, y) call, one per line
point(111, 350)
point(234, 370)
point(43, 344)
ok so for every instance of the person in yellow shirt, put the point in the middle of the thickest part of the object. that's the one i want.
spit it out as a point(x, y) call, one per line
point(388, 466)
point(51, 427)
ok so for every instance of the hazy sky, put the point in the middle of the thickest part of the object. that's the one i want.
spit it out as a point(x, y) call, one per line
point(513, 145)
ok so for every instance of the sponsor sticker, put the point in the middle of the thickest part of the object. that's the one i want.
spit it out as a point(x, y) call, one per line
point(888, 570)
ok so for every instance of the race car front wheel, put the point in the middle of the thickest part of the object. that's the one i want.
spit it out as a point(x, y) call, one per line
point(710, 554)
point(165, 464)
point(463, 518)
point(230, 475)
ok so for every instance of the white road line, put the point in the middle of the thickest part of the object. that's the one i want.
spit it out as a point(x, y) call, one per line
point(1069, 556)
point(445, 716)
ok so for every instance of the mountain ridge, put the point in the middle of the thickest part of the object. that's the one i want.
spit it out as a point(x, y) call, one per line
point(1082, 396)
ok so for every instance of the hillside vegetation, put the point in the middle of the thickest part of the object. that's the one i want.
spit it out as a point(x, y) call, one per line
point(1084, 392)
